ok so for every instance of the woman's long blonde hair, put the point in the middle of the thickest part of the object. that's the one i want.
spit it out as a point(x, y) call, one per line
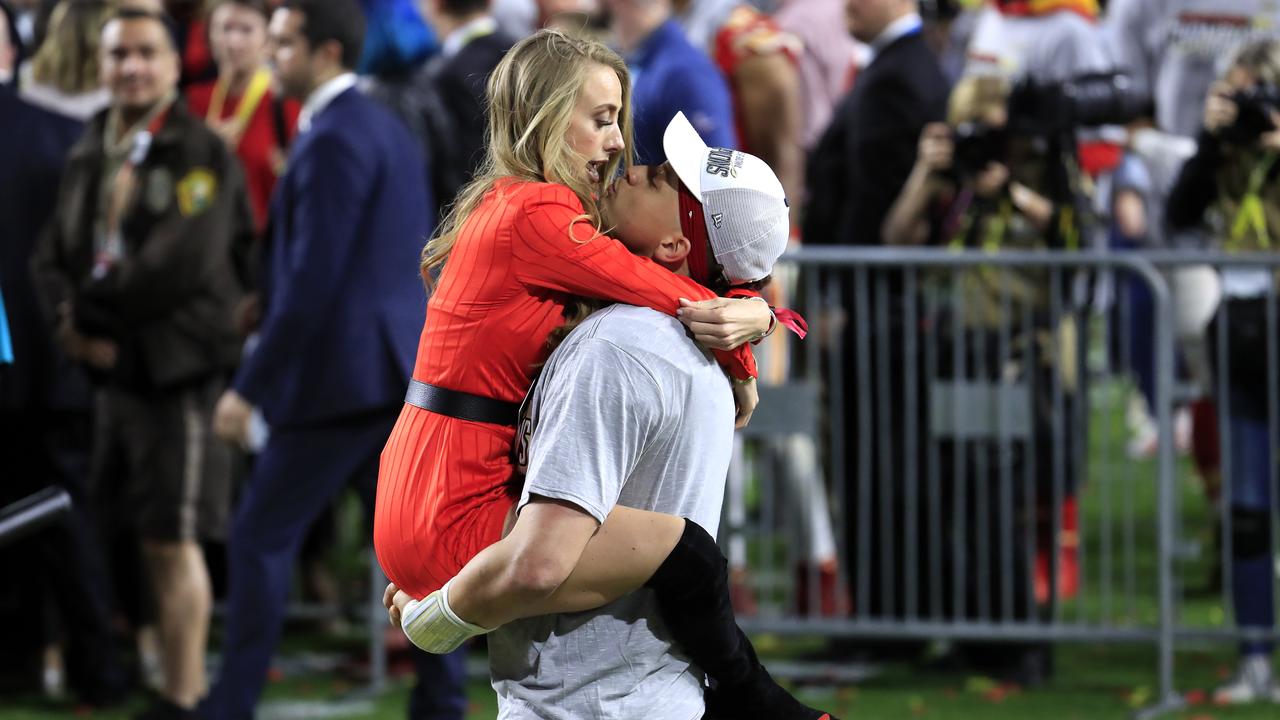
point(974, 96)
point(531, 98)
point(68, 57)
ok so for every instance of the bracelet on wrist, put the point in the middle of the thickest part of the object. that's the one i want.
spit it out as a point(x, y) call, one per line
point(773, 323)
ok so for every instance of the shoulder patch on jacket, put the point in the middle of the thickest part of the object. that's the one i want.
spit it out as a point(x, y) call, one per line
point(196, 191)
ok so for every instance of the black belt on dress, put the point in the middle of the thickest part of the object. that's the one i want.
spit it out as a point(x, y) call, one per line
point(463, 406)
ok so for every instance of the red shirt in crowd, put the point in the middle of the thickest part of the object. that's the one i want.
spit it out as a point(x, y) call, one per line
point(261, 149)
point(748, 33)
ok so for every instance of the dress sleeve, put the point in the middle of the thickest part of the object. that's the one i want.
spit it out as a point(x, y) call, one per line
point(555, 247)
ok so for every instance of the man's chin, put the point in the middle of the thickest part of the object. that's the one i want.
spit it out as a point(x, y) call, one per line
point(607, 215)
point(133, 103)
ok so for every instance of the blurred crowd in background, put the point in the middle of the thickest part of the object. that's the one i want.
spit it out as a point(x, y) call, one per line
point(1021, 124)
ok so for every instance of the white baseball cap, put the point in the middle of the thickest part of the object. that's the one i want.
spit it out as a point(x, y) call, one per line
point(743, 203)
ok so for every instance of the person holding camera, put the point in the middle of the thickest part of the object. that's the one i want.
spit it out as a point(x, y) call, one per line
point(1232, 182)
point(961, 180)
point(980, 181)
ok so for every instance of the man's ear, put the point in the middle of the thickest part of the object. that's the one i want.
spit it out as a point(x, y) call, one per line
point(672, 250)
point(333, 50)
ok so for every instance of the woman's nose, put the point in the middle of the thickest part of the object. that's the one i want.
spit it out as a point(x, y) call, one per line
point(614, 143)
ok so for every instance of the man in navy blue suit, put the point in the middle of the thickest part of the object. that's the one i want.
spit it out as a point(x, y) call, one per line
point(343, 305)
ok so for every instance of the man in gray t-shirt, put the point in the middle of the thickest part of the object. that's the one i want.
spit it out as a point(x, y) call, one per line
point(628, 411)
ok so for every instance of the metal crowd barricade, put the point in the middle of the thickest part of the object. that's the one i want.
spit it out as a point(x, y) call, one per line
point(946, 413)
point(966, 406)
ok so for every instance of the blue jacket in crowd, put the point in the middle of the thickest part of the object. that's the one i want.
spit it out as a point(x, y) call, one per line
point(670, 75)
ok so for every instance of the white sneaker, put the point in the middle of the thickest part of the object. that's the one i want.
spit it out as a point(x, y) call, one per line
point(1252, 683)
point(53, 683)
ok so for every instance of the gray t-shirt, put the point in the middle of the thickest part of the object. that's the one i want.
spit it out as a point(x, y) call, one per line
point(628, 411)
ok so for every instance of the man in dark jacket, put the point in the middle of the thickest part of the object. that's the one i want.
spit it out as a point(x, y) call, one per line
point(473, 45)
point(855, 173)
point(862, 161)
point(136, 273)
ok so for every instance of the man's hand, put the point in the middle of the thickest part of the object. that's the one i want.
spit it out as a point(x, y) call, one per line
point(726, 323)
point(231, 418)
point(100, 353)
point(95, 352)
point(248, 314)
point(746, 396)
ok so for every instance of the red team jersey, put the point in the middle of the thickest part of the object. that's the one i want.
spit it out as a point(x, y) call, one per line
point(523, 252)
point(748, 33)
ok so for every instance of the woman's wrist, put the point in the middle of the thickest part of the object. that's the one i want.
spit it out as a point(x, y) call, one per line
point(770, 326)
point(773, 325)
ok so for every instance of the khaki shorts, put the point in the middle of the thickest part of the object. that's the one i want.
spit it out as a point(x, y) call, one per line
point(157, 466)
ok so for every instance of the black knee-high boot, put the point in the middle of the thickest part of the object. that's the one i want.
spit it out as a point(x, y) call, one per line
point(692, 587)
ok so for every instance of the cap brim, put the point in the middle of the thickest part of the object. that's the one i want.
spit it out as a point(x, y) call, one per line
point(686, 152)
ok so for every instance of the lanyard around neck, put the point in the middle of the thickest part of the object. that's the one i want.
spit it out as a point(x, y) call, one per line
point(247, 106)
point(111, 248)
point(1252, 217)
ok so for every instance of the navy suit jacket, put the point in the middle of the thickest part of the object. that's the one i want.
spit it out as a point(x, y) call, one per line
point(342, 298)
point(33, 150)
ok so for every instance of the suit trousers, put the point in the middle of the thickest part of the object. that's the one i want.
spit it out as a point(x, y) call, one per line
point(297, 475)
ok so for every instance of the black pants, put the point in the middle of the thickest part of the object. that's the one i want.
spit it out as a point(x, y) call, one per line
point(62, 563)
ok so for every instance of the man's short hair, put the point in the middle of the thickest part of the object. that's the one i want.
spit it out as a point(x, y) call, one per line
point(258, 6)
point(137, 13)
point(462, 8)
point(326, 20)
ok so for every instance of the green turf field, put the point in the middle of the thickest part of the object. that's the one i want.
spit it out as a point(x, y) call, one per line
point(1092, 683)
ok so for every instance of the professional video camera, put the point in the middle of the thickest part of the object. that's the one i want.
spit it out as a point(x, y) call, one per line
point(1253, 114)
point(1044, 112)
point(1060, 108)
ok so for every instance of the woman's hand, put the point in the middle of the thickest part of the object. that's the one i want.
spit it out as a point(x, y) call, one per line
point(394, 599)
point(1220, 110)
point(1036, 207)
point(1271, 140)
point(726, 323)
point(936, 151)
point(991, 181)
point(746, 396)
